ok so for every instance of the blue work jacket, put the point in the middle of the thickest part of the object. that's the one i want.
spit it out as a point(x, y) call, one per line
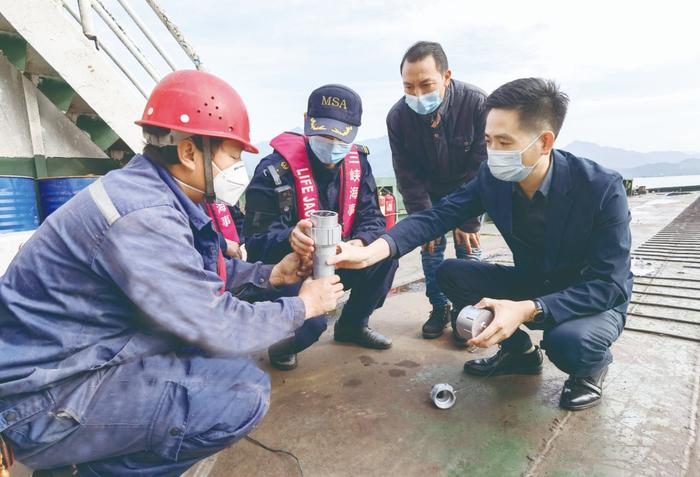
point(124, 270)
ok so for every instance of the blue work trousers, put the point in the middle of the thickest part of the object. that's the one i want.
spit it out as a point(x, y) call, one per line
point(155, 416)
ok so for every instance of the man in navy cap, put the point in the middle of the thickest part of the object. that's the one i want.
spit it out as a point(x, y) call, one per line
point(320, 170)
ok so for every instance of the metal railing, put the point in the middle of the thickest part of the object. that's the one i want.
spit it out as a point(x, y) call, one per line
point(84, 17)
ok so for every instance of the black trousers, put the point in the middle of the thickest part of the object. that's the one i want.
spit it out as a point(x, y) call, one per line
point(369, 286)
point(579, 346)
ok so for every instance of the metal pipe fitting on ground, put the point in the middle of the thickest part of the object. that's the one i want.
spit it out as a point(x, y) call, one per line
point(443, 396)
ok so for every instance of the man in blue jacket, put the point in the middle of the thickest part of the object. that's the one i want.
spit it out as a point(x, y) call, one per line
point(123, 329)
point(565, 219)
point(321, 169)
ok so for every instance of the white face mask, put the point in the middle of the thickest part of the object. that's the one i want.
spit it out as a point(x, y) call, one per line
point(508, 165)
point(229, 184)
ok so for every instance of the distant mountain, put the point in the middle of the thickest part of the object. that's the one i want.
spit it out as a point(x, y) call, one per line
point(688, 167)
point(622, 159)
point(628, 163)
point(379, 156)
point(252, 160)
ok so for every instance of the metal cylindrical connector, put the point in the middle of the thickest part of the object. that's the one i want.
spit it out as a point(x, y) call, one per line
point(326, 234)
point(471, 321)
point(443, 396)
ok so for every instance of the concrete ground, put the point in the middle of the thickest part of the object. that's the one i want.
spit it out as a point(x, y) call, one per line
point(348, 411)
point(353, 412)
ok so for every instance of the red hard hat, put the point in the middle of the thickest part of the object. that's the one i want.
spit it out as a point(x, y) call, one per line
point(199, 103)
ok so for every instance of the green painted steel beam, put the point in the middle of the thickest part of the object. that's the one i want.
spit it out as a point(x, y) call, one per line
point(58, 91)
point(14, 48)
point(17, 166)
point(55, 166)
point(40, 166)
point(100, 133)
point(60, 166)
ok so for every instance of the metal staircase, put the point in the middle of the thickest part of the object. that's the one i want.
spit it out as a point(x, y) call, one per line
point(85, 58)
point(74, 75)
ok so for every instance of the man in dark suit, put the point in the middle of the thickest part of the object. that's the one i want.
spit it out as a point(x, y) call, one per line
point(565, 219)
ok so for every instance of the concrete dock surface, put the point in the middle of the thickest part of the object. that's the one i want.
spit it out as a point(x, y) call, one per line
point(349, 411)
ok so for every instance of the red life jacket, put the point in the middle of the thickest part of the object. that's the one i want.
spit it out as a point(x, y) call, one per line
point(293, 148)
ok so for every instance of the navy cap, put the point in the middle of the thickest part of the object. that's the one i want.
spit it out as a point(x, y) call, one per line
point(333, 110)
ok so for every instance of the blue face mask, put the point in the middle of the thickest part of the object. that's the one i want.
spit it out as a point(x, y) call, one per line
point(329, 151)
point(426, 103)
point(508, 165)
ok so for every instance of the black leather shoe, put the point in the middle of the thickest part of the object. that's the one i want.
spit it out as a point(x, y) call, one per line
point(284, 362)
point(282, 355)
point(362, 336)
point(437, 321)
point(506, 363)
point(582, 393)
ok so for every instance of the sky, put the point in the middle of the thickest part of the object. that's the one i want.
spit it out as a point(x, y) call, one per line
point(631, 69)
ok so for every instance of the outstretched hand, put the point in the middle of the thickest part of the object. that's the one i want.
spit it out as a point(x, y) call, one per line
point(348, 256)
point(353, 256)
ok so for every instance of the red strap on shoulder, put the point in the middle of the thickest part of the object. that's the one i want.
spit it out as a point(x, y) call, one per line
point(224, 221)
point(220, 260)
point(293, 148)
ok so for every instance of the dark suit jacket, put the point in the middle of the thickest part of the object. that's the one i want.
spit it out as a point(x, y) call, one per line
point(587, 264)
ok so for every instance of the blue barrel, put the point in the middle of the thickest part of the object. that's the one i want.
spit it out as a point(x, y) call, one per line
point(56, 191)
point(18, 208)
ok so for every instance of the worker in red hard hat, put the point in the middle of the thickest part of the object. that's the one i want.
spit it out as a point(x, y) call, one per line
point(123, 329)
